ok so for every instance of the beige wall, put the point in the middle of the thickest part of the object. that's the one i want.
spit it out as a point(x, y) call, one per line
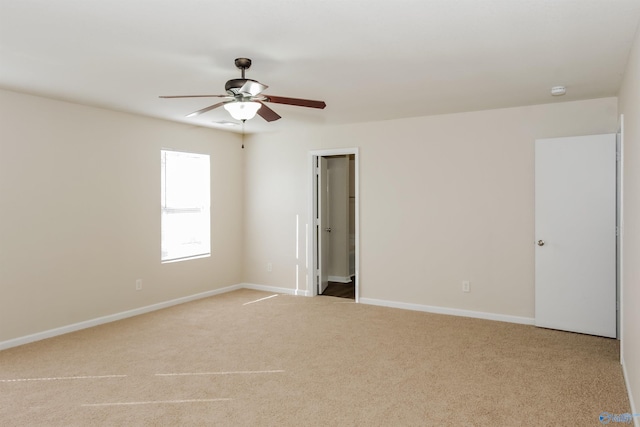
point(442, 199)
point(80, 213)
point(629, 105)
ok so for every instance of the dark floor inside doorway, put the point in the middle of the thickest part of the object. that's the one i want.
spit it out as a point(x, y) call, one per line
point(341, 290)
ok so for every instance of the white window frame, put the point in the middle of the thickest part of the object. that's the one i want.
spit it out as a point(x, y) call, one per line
point(185, 205)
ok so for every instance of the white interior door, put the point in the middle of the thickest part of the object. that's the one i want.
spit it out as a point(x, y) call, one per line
point(575, 233)
point(323, 225)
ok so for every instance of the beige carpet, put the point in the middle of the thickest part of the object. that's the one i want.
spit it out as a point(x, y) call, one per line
point(242, 359)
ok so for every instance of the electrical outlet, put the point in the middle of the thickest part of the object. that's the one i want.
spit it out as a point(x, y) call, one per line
point(466, 286)
point(138, 284)
point(269, 267)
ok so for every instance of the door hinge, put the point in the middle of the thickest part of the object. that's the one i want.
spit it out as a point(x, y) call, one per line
point(618, 156)
point(617, 230)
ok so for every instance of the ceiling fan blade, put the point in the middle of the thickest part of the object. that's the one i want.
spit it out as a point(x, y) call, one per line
point(196, 96)
point(252, 87)
point(267, 113)
point(209, 108)
point(295, 101)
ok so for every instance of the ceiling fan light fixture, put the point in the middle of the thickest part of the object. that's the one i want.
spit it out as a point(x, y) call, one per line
point(242, 110)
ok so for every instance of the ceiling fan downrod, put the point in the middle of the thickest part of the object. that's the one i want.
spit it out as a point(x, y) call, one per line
point(243, 64)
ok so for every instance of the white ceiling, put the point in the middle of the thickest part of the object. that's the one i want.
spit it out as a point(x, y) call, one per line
point(370, 60)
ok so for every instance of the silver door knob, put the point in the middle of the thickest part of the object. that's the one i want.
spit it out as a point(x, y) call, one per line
point(540, 242)
point(328, 229)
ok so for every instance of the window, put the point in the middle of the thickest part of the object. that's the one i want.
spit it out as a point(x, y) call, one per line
point(185, 202)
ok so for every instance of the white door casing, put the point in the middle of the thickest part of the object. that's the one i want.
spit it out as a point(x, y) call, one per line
point(312, 245)
point(575, 234)
point(323, 225)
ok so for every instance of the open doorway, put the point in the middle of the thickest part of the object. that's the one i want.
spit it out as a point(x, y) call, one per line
point(334, 233)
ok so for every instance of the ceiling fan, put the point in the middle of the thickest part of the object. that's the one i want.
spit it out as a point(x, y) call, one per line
point(245, 99)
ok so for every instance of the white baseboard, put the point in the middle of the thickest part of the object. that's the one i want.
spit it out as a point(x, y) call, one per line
point(339, 279)
point(110, 318)
point(137, 311)
point(634, 408)
point(449, 311)
point(288, 291)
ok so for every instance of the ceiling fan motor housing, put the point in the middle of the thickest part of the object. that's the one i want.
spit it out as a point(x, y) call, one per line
point(233, 86)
